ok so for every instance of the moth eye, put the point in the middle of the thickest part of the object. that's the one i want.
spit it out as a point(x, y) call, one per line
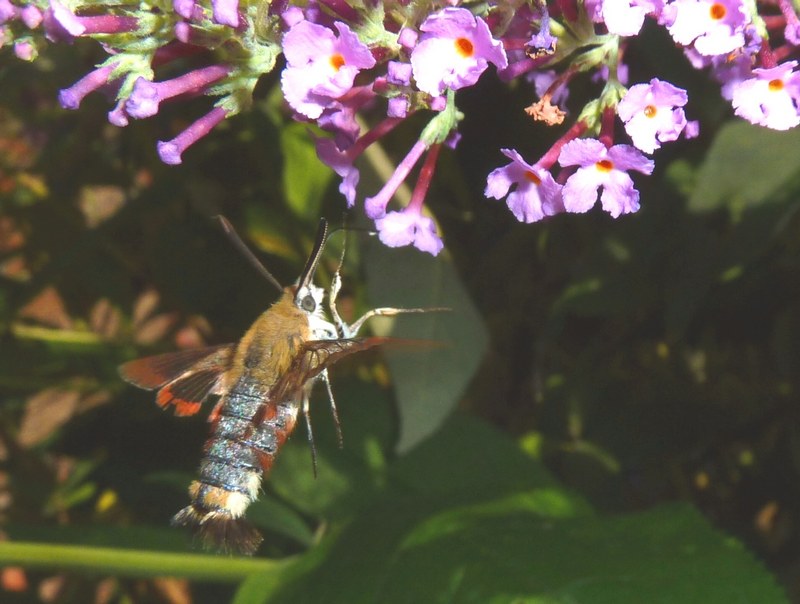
point(308, 303)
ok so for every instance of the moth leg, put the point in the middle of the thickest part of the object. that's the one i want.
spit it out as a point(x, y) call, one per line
point(306, 410)
point(353, 329)
point(324, 377)
point(333, 292)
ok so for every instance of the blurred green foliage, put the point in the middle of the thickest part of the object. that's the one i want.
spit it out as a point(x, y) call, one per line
point(628, 388)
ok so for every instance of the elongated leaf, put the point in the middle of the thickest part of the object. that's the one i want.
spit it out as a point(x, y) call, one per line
point(428, 383)
point(745, 166)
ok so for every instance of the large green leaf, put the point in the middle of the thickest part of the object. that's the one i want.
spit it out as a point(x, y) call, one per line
point(428, 382)
point(508, 536)
point(745, 166)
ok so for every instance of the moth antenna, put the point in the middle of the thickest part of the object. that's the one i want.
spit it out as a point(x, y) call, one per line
point(334, 411)
point(312, 445)
point(246, 251)
point(316, 253)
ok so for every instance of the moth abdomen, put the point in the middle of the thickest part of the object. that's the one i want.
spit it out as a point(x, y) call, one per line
point(219, 529)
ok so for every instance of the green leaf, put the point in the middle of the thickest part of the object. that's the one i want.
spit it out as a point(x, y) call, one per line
point(428, 383)
point(468, 458)
point(514, 550)
point(305, 178)
point(745, 166)
point(497, 528)
point(270, 514)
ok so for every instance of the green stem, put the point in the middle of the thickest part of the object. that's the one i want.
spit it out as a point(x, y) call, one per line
point(135, 563)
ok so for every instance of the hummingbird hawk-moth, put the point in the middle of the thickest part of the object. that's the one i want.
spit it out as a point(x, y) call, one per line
point(261, 382)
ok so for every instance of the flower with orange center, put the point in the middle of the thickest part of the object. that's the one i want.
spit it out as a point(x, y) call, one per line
point(464, 47)
point(653, 114)
point(337, 61)
point(536, 194)
point(769, 97)
point(602, 169)
point(717, 11)
point(455, 48)
point(321, 65)
point(604, 165)
point(714, 28)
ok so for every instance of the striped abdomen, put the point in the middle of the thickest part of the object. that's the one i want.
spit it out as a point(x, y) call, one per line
point(246, 436)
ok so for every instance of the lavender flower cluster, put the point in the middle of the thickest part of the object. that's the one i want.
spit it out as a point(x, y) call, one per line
point(410, 56)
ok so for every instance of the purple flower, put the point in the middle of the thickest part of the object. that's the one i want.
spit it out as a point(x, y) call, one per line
point(601, 167)
point(543, 40)
point(226, 12)
point(770, 97)
point(31, 16)
point(25, 50)
point(340, 119)
point(320, 67)
point(70, 98)
point(117, 116)
point(375, 207)
point(407, 38)
point(341, 159)
point(409, 227)
point(730, 72)
point(397, 107)
point(342, 163)
point(398, 73)
point(543, 79)
point(603, 72)
point(692, 129)
point(292, 16)
point(170, 152)
point(454, 50)
point(715, 26)
point(61, 24)
point(146, 96)
point(185, 8)
point(7, 11)
point(536, 195)
point(626, 17)
point(652, 114)
point(792, 30)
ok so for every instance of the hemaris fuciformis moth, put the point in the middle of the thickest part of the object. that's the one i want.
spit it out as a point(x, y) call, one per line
point(262, 382)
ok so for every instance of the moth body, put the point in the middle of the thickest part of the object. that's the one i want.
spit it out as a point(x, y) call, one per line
point(262, 383)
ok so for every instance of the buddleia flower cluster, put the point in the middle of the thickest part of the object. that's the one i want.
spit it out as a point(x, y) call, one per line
point(402, 57)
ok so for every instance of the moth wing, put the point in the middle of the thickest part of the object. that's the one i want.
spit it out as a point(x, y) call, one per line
point(314, 357)
point(184, 378)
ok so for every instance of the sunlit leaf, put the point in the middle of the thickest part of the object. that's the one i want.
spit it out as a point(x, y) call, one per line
point(153, 329)
point(145, 305)
point(47, 308)
point(45, 412)
point(745, 166)
point(100, 202)
point(105, 319)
